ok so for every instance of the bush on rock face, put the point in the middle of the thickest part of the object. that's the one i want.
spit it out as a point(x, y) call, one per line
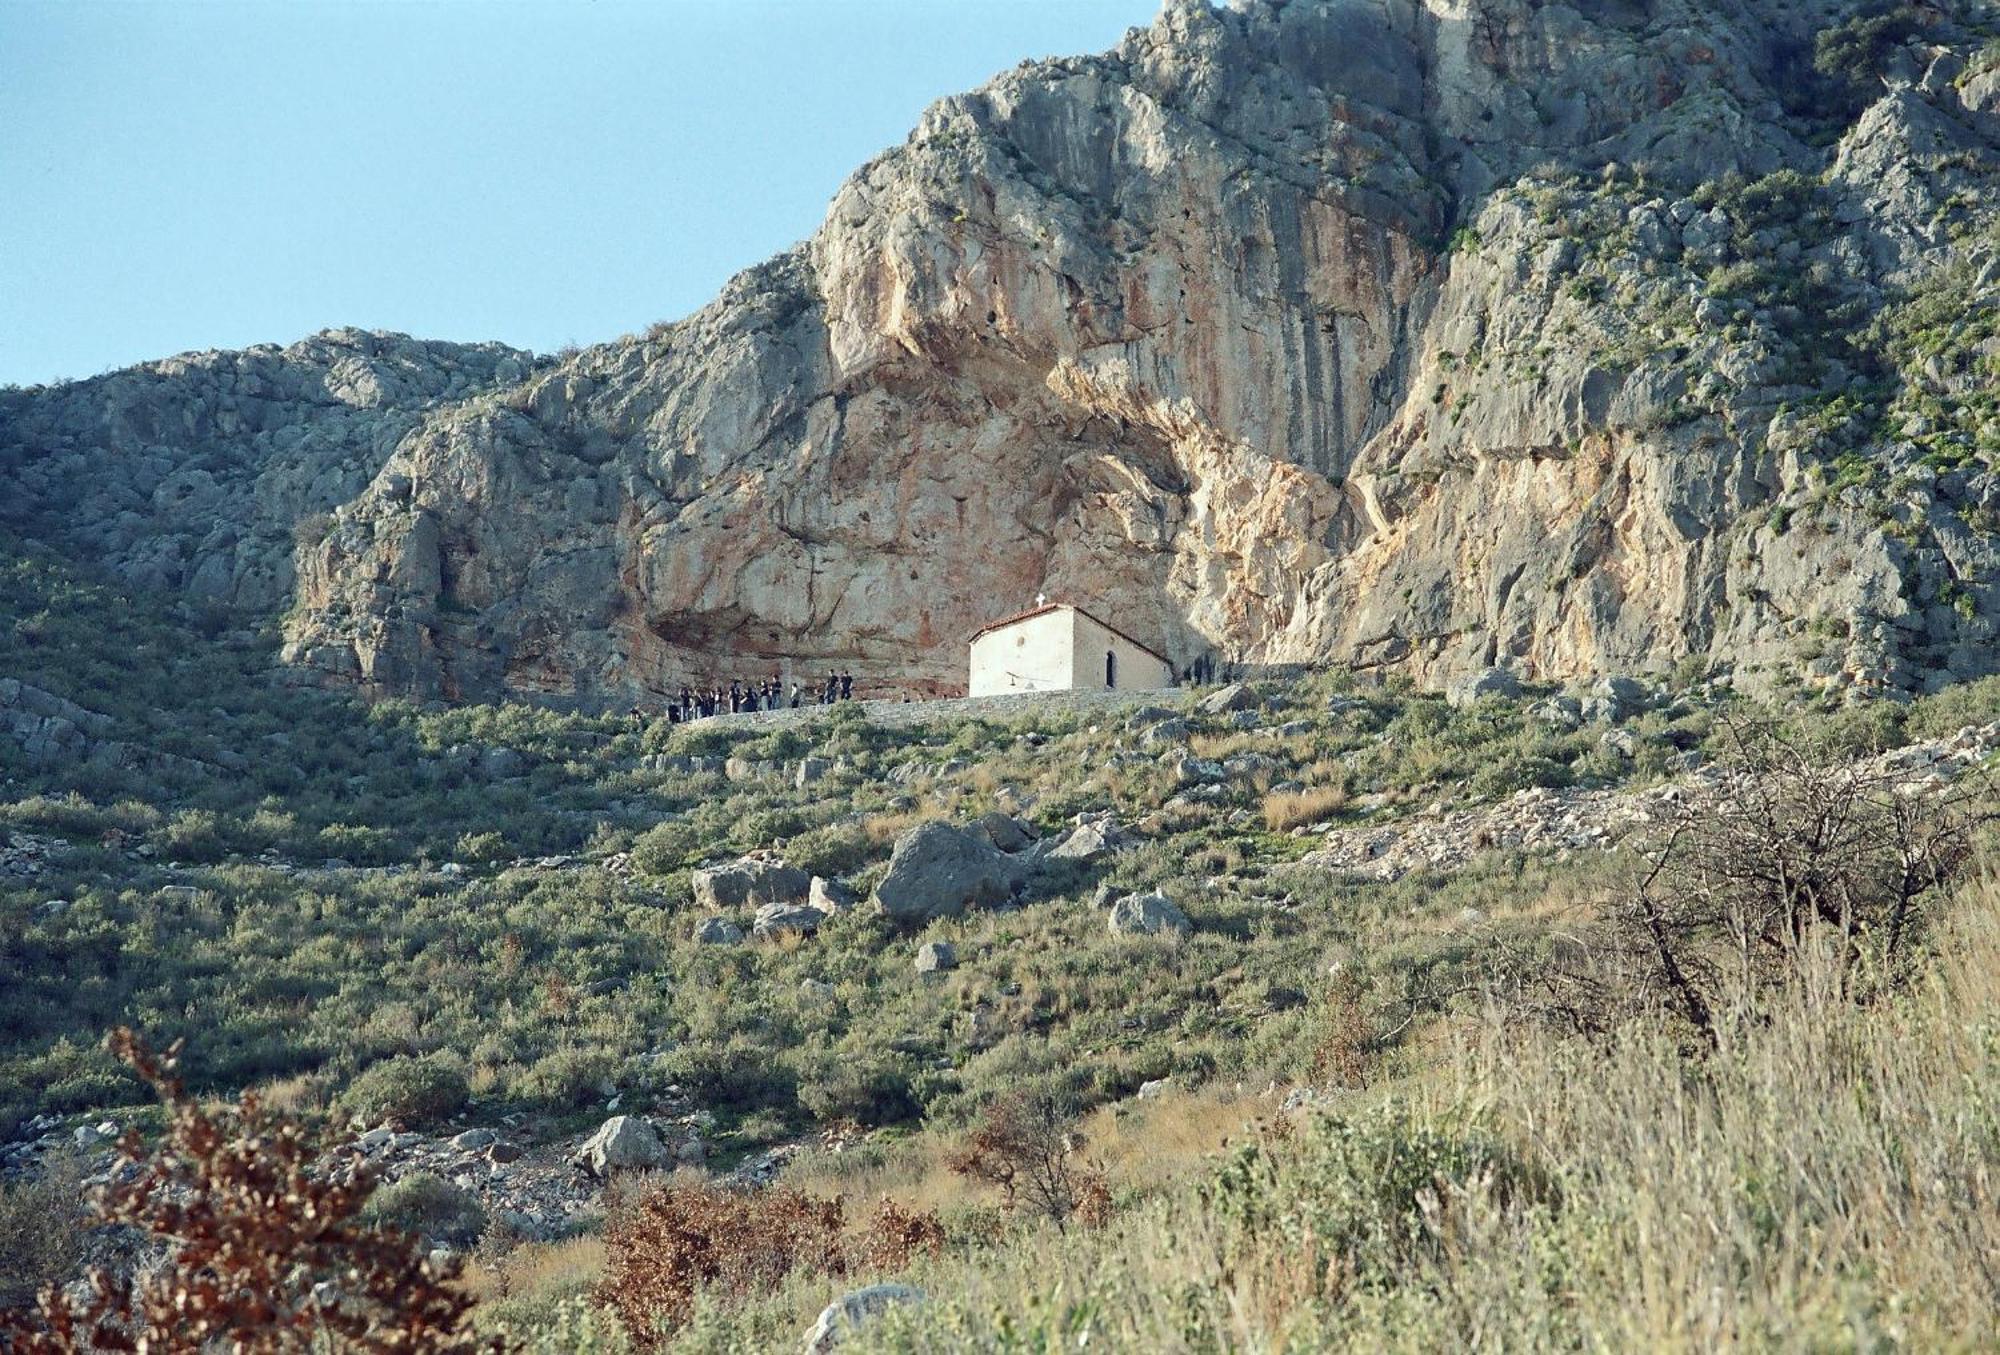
point(414, 1090)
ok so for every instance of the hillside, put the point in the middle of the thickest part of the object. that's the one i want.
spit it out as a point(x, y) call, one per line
point(1579, 339)
point(1573, 423)
point(454, 941)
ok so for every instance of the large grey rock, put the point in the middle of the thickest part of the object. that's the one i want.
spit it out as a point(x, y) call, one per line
point(1148, 915)
point(937, 870)
point(851, 1312)
point(777, 919)
point(1194, 771)
point(717, 931)
point(1620, 698)
point(830, 896)
point(1486, 682)
point(936, 956)
point(1006, 834)
point(1092, 840)
point(1225, 700)
point(750, 882)
point(622, 1143)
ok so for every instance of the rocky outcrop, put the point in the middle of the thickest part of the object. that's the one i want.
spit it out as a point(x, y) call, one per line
point(199, 474)
point(1408, 334)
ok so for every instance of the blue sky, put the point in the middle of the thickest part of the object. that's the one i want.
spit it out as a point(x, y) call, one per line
point(216, 173)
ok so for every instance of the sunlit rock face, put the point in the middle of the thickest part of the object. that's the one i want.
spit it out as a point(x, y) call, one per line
point(1417, 337)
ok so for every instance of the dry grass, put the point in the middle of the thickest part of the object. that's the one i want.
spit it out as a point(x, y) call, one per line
point(1830, 1180)
point(1285, 810)
point(539, 1270)
point(888, 826)
point(1145, 1145)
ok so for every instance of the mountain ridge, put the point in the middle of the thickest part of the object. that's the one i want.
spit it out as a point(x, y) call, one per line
point(1420, 337)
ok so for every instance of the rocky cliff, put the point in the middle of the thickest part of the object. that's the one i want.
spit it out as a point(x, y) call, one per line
point(1426, 336)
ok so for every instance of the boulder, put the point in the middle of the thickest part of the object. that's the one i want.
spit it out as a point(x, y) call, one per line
point(1194, 771)
point(830, 896)
point(1236, 696)
point(1165, 734)
point(850, 1312)
point(622, 1143)
point(1563, 712)
point(1618, 699)
point(936, 956)
point(937, 870)
point(717, 931)
point(1153, 1090)
point(812, 769)
point(750, 882)
point(1006, 834)
point(1490, 682)
point(1148, 915)
point(1091, 841)
point(775, 919)
point(472, 1140)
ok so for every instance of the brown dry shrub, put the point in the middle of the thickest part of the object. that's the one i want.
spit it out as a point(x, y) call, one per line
point(897, 1235)
point(673, 1243)
point(42, 1227)
point(668, 1245)
point(253, 1232)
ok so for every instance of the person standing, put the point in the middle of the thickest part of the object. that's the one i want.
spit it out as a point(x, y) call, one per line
point(847, 686)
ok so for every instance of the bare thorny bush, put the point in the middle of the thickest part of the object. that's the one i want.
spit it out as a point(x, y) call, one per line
point(263, 1251)
point(1791, 862)
point(1028, 1146)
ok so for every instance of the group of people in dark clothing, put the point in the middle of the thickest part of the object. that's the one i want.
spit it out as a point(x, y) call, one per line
point(1202, 671)
point(741, 697)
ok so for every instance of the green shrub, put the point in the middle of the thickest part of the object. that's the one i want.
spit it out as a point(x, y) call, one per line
point(414, 1090)
point(767, 826)
point(665, 847)
point(568, 1077)
point(1374, 1192)
point(194, 835)
point(835, 850)
point(1505, 775)
point(873, 1089)
point(427, 1206)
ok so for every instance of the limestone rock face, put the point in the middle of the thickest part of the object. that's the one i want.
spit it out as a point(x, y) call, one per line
point(198, 474)
point(1413, 334)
